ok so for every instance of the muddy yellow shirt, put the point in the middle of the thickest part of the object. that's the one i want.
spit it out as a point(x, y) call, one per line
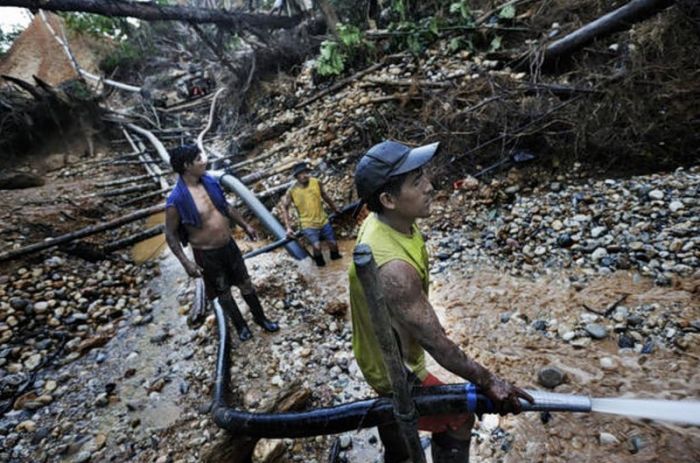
point(387, 244)
point(307, 200)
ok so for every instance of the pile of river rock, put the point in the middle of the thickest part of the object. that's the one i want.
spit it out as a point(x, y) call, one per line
point(56, 311)
point(645, 223)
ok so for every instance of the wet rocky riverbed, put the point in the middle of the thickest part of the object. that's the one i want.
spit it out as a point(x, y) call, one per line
point(579, 285)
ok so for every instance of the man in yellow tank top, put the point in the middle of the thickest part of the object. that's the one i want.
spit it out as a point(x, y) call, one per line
point(306, 194)
point(391, 180)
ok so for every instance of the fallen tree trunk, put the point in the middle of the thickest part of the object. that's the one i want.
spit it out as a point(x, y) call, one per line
point(87, 231)
point(619, 20)
point(253, 138)
point(152, 11)
point(133, 239)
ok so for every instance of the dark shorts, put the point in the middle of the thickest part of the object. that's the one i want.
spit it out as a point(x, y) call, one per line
point(223, 267)
point(314, 235)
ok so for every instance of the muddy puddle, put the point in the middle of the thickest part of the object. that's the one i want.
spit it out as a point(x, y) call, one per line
point(152, 247)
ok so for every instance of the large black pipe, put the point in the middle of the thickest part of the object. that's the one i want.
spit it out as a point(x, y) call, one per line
point(453, 398)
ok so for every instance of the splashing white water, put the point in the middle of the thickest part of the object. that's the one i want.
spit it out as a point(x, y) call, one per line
point(663, 410)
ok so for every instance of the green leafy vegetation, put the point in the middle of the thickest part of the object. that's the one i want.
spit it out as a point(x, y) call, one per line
point(350, 47)
point(412, 32)
point(507, 12)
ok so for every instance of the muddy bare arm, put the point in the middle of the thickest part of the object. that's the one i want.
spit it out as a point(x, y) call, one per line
point(238, 219)
point(286, 202)
point(172, 223)
point(410, 309)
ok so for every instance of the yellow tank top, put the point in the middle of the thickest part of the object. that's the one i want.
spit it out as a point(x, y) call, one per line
point(387, 244)
point(307, 200)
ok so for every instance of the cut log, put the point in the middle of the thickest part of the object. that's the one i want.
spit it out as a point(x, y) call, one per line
point(255, 176)
point(122, 181)
point(338, 85)
point(417, 83)
point(253, 138)
point(82, 233)
point(122, 191)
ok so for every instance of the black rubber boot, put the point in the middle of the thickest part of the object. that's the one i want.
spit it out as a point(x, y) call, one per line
point(335, 255)
point(229, 305)
point(318, 258)
point(258, 314)
point(448, 449)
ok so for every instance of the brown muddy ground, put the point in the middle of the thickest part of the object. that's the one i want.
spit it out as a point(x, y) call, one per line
point(470, 309)
point(470, 305)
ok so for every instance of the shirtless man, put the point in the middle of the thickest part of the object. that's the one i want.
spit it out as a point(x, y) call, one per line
point(197, 212)
point(391, 180)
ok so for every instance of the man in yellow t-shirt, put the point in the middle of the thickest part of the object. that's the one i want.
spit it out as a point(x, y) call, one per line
point(306, 194)
point(391, 180)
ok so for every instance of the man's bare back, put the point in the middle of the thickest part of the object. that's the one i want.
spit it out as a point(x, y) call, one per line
point(215, 231)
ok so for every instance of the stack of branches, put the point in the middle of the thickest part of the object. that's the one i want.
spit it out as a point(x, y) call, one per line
point(629, 102)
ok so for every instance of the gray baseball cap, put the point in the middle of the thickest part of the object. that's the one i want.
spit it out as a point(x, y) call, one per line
point(299, 168)
point(389, 159)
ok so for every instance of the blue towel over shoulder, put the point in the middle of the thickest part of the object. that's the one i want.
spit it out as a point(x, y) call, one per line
point(181, 199)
